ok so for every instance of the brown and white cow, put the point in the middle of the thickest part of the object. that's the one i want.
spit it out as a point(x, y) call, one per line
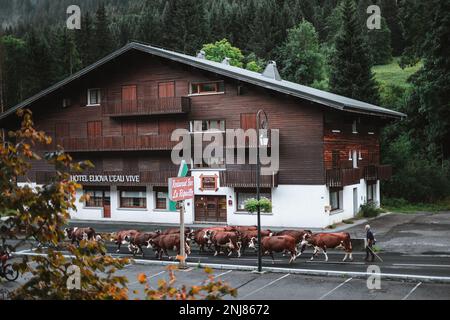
point(138, 240)
point(324, 241)
point(119, 238)
point(77, 234)
point(198, 236)
point(224, 239)
point(272, 244)
point(163, 242)
point(247, 235)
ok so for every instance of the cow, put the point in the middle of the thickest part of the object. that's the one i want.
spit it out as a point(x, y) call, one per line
point(324, 241)
point(247, 235)
point(296, 234)
point(119, 238)
point(198, 236)
point(224, 239)
point(187, 230)
point(163, 242)
point(138, 240)
point(242, 228)
point(272, 244)
point(77, 234)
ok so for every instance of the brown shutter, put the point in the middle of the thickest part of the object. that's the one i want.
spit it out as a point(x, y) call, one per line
point(94, 129)
point(167, 126)
point(129, 98)
point(248, 121)
point(166, 89)
point(129, 128)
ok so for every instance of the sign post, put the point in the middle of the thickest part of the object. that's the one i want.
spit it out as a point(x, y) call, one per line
point(181, 189)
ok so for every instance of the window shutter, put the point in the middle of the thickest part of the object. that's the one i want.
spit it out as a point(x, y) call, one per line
point(166, 89)
point(129, 98)
point(248, 121)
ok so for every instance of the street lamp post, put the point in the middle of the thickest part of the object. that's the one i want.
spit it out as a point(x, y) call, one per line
point(261, 123)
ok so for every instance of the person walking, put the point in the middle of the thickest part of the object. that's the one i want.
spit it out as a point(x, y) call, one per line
point(370, 242)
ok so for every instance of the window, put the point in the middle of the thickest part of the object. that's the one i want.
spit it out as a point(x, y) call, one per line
point(98, 197)
point(208, 182)
point(161, 198)
point(244, 195)
point(133, 197)
point(335, 159)
point(66, 103)
point(335, 201)
point(354, 126)
point(207, 87)
point(93, 97)
point(203, 125)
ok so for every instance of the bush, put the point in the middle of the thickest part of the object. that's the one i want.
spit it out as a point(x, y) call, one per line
point(369, 210)
point(251, 205)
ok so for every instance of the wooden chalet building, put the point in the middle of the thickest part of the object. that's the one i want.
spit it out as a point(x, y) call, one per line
point(120, 111)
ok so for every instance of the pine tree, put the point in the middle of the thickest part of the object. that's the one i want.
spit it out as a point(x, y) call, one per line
point(350, 69)
point(379, 41)
point(103, 39)
point(390, 12)
point(184, 25)
point(300, 55)
point(39, 63)
point(67, 57)
point(429, 105)
point(85, 40)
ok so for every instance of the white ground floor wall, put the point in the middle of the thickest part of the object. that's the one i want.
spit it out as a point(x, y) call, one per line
point(294, 206)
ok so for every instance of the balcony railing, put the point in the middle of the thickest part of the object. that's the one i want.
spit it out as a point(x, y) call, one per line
point(247, 178)
point(171, 105)
point(116, 143)
point(337, 178)
point(154, 178)
point(377, 172)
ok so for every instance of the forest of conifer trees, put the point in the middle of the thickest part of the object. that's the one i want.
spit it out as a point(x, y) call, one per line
point(319, 43)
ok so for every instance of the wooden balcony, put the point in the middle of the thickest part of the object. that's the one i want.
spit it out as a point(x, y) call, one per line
point(154, 178)
point(117, 143)
point(247, 179)
point(141, 107)
point(338, 178)
point(377, 172)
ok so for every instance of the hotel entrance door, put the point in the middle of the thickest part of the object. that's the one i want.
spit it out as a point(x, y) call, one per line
point(211, 208)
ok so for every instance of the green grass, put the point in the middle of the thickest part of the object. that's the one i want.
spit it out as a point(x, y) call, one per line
point(402, 206)
point(392, 74)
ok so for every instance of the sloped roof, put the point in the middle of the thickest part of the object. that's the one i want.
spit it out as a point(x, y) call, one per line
point(283, 86)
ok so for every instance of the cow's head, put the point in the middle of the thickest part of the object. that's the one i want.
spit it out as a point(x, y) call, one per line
point(208, 234)
point(253, 242)
point(68, 232)
point(305, 242)
point(150, 243)
point(113, 237)
point(98, 237)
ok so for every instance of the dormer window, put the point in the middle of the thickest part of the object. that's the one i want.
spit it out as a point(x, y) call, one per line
point(200, 88)
point(93, 97)
point(354, 127)
point(66, 103)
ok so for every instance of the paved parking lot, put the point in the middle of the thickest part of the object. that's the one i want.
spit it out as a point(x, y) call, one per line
point(281, 286)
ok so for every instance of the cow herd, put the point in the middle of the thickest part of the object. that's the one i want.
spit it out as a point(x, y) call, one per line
point(227, 240)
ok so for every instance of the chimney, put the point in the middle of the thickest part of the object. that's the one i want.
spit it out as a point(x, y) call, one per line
point(226, 61)
point(201, 54)
point(271, 71)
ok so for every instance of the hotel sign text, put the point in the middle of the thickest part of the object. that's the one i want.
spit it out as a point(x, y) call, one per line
point(107, 178)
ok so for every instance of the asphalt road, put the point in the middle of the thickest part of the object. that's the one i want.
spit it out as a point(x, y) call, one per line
point(409, 263)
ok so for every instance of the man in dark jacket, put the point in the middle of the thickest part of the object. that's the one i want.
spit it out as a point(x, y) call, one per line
point(370, 242)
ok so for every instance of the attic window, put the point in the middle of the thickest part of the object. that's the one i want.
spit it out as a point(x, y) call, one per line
point(207, 87)
point(93, 97)
point(66, 103)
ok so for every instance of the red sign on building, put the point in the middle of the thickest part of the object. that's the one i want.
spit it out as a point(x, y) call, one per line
point(181, 188)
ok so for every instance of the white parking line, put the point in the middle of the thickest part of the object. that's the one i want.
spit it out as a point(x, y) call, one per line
point(222, 274)
point(150, 277)
point(265, 286)
point(331, 291)
point(422, 265)
point(412, 290)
